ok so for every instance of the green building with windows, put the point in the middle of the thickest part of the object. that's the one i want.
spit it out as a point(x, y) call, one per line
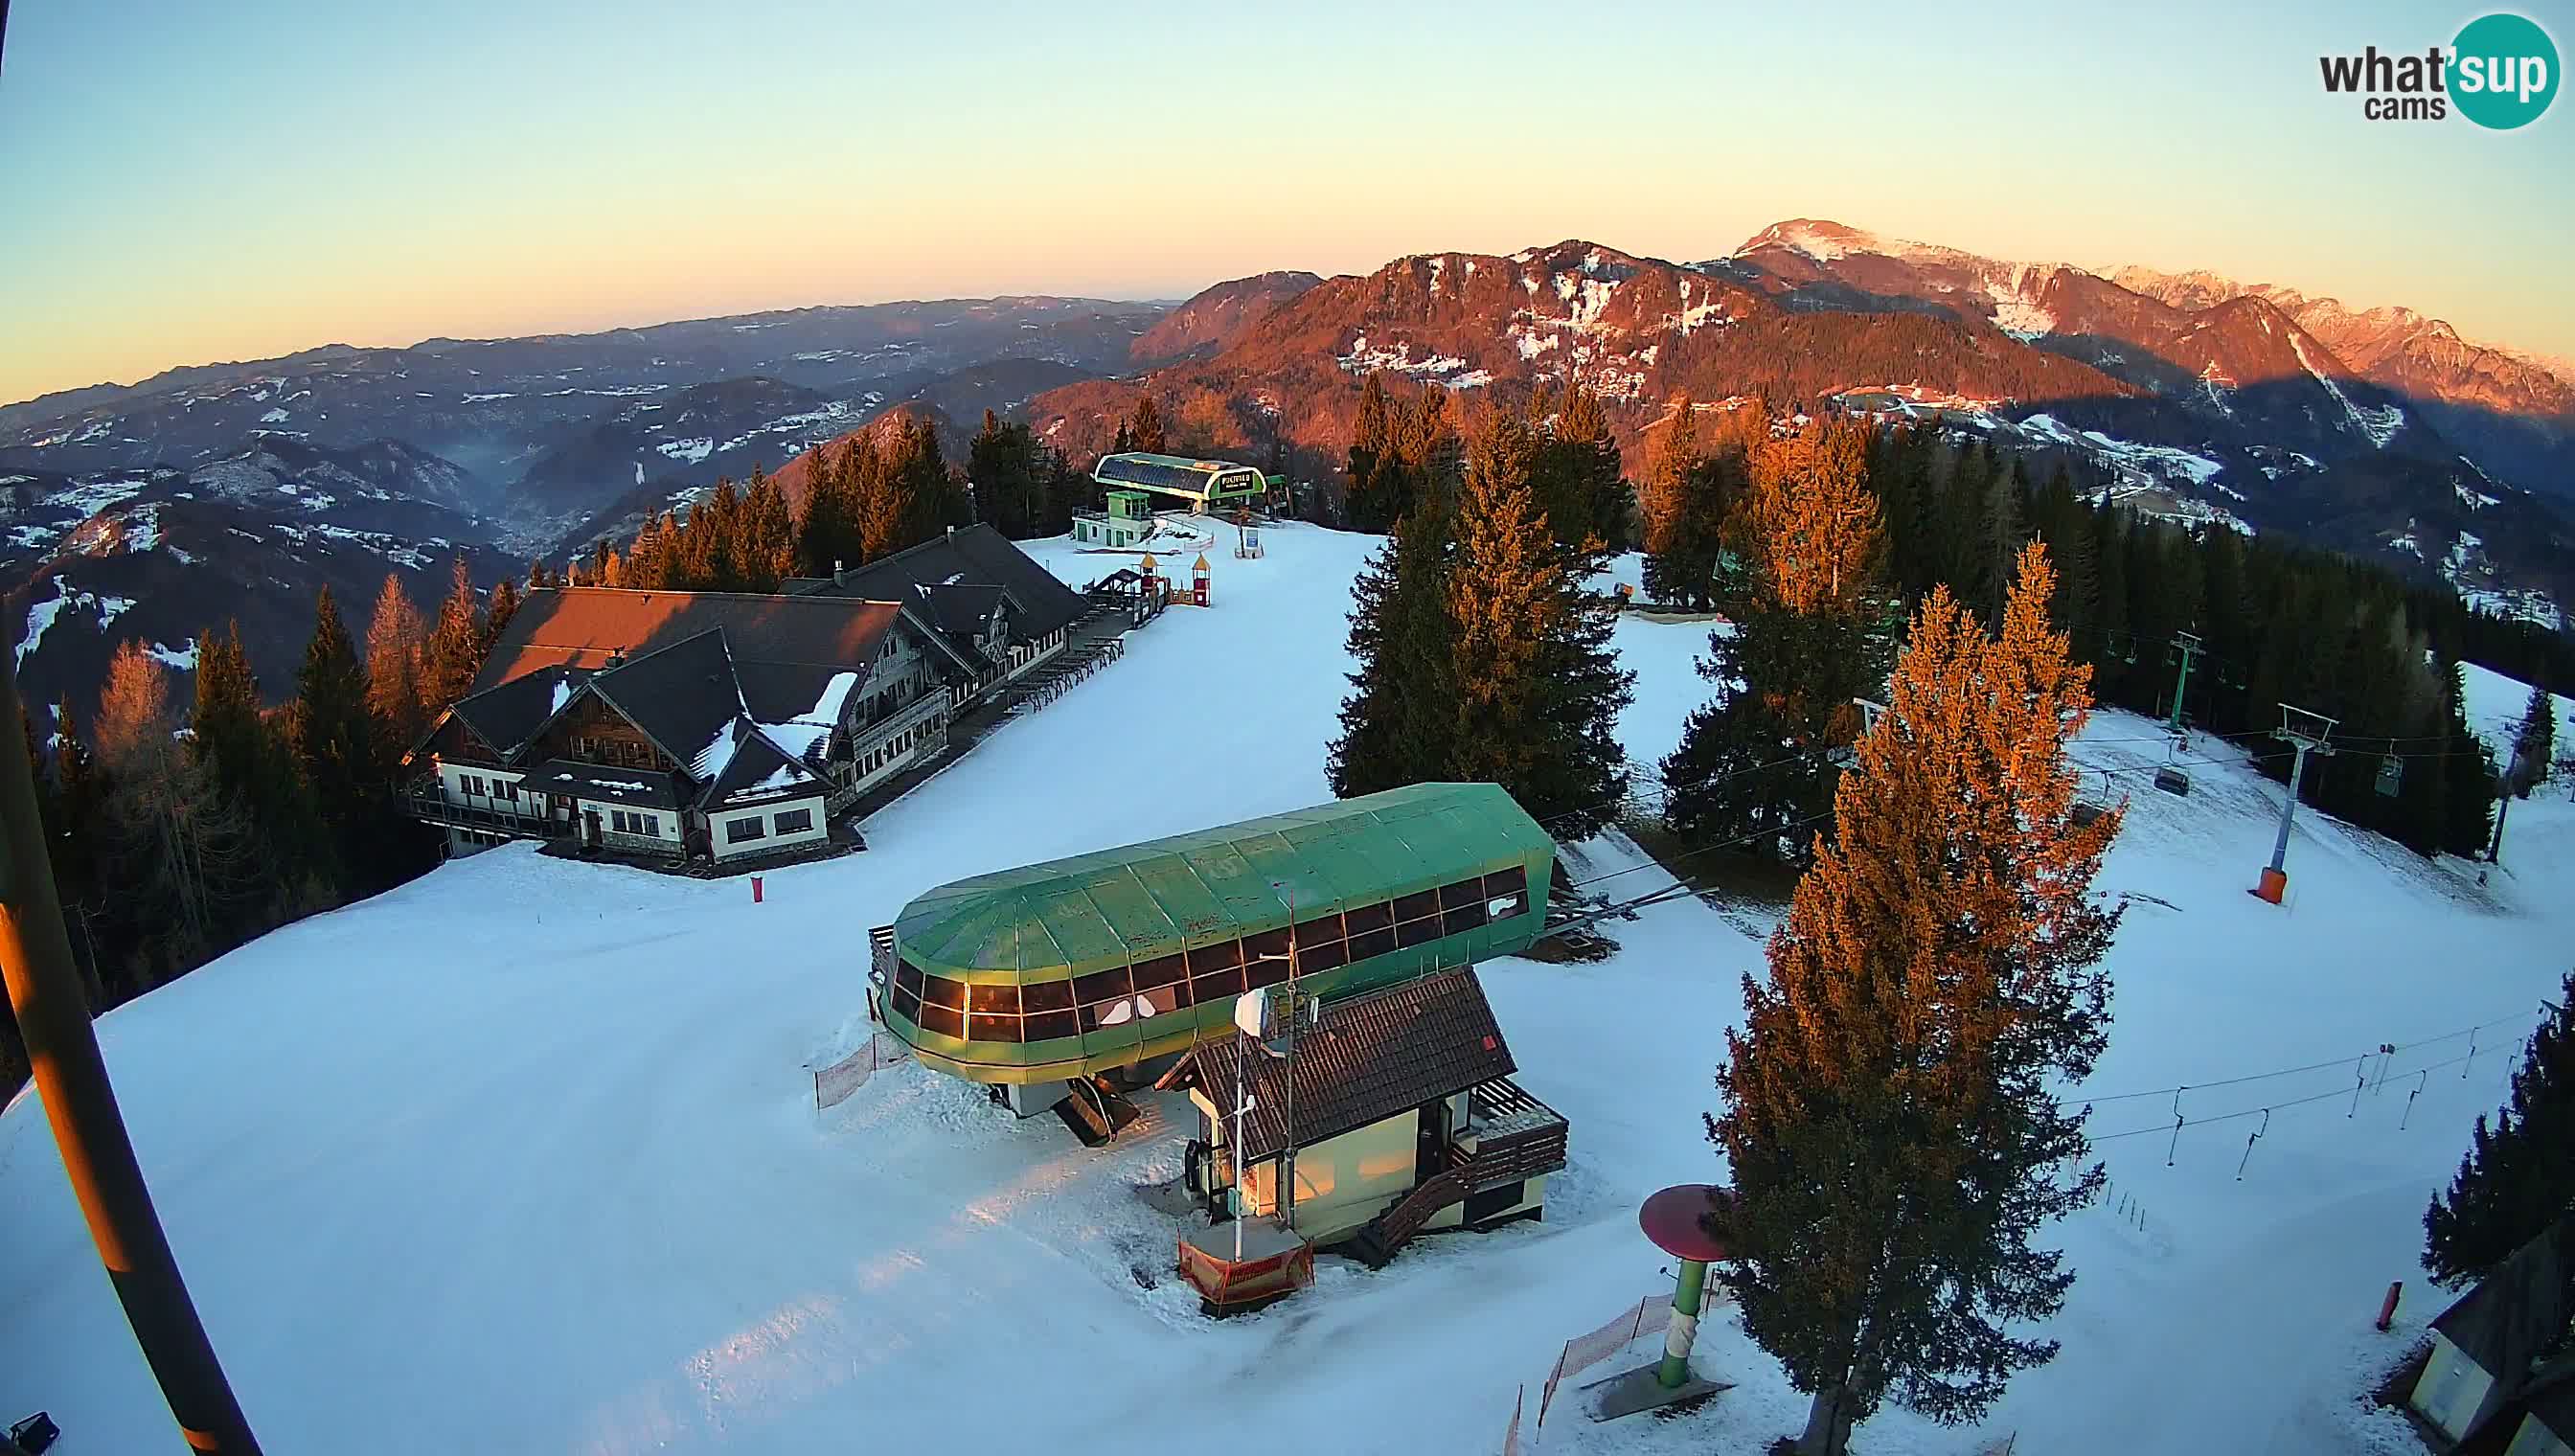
point(1198, 485)
point(1059, 973)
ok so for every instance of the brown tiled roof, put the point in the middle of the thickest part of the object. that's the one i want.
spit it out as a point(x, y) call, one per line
point(1366, 1059)
point(582, 626)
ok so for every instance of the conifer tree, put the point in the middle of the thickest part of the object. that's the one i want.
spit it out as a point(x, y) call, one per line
point(179, 847)
point(396, 643)
point(453, 656)
point(1888, 1106)
point(2517, 1177)
point(348, 760)
point(1400, 722)
point(1807, 644)
point(830, 535)
point(254, 768)
point(496, 619)
point(2534, 750)
point(1144, 427)
point(647, 560)
point(1002, 462)
point(765, 547)
point(1539, 688)
point(1575, 477)
point(1370, 439)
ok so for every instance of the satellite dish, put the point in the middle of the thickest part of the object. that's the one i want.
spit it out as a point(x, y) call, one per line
point(1252, 1013)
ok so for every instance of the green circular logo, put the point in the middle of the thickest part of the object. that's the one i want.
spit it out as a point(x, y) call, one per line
point(2503, 71)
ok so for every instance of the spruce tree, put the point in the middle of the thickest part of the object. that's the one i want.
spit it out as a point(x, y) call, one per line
point(1575, 477)
point(178, 846)
point(496, 619)
point(453, 656)
point(2534, 748)
point(1400, 722)
point(254, 767)
point(2518, 1177)
point(1888, 1106)
point(348, 758)
point(396, 643)
point(1144, 427)
point(1370, 439)
point(1539, 688)
point(1808, 643)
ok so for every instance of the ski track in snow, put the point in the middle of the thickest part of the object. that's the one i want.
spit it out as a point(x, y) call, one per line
point(524, 1153)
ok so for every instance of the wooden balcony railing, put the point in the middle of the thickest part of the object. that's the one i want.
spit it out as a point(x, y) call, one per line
point(1529, 1141)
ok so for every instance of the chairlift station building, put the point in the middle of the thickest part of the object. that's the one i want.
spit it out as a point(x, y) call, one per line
point(1064, 970)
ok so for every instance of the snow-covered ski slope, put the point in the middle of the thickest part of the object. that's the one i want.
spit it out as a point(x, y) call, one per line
point(522, 1157)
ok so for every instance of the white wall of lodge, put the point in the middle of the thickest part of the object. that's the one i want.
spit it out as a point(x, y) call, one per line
point(766, 828)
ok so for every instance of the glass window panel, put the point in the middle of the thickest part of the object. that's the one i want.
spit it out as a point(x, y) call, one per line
point(907, 976)
point(1505, 882)
point(1415, 907)
point(1319, 930)
point(1323, 957)
point(992, 1027)
point(1101, 985)
point(1418, 932)
point(1463, 892)
point(1047, 1025)
point(1375, 943)
point(1204, 958)
point(1161, 971)
point(939, 990)
point(1266, 973)
point(941, 1019)
point(1464, 918)
point(907, 1005)
point(1369, 918)
point(1264, 943)
point(993, 998)
point(1228, 983)
point(1047, 995)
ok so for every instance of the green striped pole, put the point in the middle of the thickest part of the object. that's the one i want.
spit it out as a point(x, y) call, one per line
point(1684, 1326)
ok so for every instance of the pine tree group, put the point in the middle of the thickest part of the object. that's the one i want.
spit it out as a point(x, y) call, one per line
point(1480, 656)
point(1889, 1110)
point(2518, 1177)
point(1811, 639)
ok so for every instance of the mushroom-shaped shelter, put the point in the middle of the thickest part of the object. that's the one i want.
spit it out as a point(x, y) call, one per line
point(1076, 966)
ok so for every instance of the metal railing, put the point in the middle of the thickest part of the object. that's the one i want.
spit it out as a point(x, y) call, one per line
point(430, 802)
point(1508, 1157)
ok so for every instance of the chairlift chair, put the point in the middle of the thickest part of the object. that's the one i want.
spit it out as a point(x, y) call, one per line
point(2391, 776)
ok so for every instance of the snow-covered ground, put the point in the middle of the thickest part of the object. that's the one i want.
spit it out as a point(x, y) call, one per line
point(522, 1157)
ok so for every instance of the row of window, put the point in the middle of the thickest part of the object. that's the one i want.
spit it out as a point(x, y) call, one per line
point(897, 745)
point(1045, 1010)
point(629, 821)
point(618, 751)
point(755, 827)
point(476, 785)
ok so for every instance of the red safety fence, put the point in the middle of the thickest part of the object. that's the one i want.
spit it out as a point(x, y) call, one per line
point(1584, 1352)
point(834, 1084)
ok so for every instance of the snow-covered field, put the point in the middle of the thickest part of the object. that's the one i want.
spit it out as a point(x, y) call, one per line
point(522, 1156)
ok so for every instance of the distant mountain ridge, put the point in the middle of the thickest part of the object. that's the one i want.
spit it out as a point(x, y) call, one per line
point(2202, 402)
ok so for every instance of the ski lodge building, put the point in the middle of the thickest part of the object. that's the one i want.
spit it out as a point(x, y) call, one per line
point(722, 725)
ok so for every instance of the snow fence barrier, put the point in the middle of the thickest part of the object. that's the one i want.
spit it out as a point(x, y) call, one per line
point(1584, 1352)
point(834, 1084)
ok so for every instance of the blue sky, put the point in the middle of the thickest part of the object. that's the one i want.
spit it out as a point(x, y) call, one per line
point(197, 182)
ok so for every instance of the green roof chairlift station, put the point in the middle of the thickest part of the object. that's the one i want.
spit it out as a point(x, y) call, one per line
point(1198, 486)
point(1061, 971)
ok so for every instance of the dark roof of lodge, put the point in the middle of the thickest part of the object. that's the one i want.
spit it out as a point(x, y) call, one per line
point(759, 769)
point(1177, 473)
point(640, 787)
point(2518, 1310)
point(683, 696)
point(1091, 911)
point(507, 715)
point(1367, 1058)
point(947, 579)
point(583, 627)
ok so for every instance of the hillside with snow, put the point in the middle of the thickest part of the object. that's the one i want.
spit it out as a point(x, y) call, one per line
point(523, 1156)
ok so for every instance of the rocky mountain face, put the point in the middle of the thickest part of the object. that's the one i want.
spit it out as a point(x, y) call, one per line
point(2510, 412)
point(249, 486)
point(1212, 320)
point(2195, 400)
